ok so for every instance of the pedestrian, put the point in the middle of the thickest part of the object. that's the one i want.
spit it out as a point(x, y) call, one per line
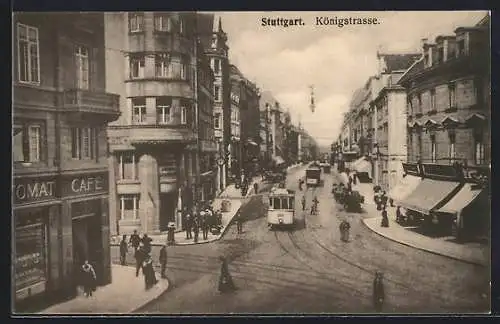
point(384, 200)
point(226, 283)
point(123, 250)
point(146, 243)
point(88, 278)
point(399, 216)
point(385, 219)
point(205, 226)
point(196, 228)
point(189, 225)
point(300, 184)
point(344, 230)
point(135, 240)
point(354, 178)
point(378, 291)
point(140, 256)
point(149, 272)
point(303, 202)
point(239, 222)
point(314, 207)
point(163, 261)
point(256, 188)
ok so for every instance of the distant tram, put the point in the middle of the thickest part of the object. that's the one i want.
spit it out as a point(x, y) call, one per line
point(281, 212)
point(313, 176)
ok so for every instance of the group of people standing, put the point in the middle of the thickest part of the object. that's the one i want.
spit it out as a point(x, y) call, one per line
point(142, 254)
point(201, 218)
point(381, 199)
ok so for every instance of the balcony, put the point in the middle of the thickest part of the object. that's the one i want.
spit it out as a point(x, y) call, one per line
point(154, 134)
point(82, 102)
point(208, 146)
point(27, 96)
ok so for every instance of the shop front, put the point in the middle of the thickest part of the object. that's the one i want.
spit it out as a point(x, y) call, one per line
point(86, 201)
point(36, 247)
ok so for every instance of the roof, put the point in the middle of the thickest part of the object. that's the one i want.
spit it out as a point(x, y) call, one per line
point(205, 25)
point(267, 97)
point(397, 62)
point(413, 70)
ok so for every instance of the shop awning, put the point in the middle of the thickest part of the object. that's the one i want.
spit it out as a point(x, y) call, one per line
point(278, 160)
point(428, 194)
point(405, 187)
point(462, 199)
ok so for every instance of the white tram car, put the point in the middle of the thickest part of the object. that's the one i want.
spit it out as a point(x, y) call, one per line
point(281, 211)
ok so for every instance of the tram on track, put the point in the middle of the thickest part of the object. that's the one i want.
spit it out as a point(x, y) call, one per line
point(281, 210)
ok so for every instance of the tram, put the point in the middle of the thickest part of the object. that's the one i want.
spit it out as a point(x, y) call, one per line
point(281, 211)
point(313, 176)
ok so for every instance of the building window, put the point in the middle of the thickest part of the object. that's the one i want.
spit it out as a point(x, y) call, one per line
point(452, 95)
point(129, 207)
point(163, 105)
point(181, 26)
point(183, 115)
point(83, 143)
point(27, 143)
point(451, 151)
point(478, 147)
point(433, 148)
point(137, 67)
point(163, 23)
point(135, 22)
point(28, 54)
point(139, 110)
point(217, 93)
point(217, 65)
point(461, 50)
point(217, 122)
point(127, 164)
point(163, 65)
point(433, 100)
point(410, 105)
point(82, 67)
point(214, 42)
point(184, 68)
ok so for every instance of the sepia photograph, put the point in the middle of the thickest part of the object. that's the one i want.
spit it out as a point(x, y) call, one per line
point(180, 163)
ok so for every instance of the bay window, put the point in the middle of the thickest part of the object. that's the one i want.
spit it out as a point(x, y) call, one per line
point(129, 207)
point(139, 110)
point(451, 151)
point(137, 67)
point(163, 67)
point(83, 143)
point(127, 166)
point(163, 105)
point(82, 67)
point(28, 54)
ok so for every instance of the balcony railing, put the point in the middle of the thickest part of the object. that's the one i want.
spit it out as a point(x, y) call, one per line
point(29, 96)
point(76, 100)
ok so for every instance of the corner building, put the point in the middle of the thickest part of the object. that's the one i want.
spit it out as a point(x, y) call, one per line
point(60, 171)
point(153, 146)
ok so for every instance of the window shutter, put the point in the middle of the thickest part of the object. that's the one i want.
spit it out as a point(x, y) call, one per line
point(93, 75)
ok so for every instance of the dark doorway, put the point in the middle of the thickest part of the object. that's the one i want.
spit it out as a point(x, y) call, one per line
point(168, 202)
point(87, 241)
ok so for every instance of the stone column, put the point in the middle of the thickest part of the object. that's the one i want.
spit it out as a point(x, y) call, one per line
point(149, 204)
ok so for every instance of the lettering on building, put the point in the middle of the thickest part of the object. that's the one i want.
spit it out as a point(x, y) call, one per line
point(87, 185)
point(36, 190)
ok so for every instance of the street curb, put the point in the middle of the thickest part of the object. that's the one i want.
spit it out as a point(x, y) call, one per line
point(421, 248)
point(154, 298)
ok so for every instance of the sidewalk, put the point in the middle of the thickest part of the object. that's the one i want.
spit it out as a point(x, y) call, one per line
point(114, 298)
point(468, 252)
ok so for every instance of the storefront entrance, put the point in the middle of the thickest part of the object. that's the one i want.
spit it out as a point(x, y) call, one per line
point(87, 236)
point(168, 202)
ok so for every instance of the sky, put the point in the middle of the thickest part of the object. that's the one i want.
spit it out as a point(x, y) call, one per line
point(337, 61)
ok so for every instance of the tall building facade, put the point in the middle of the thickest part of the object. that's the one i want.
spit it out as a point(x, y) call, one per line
point(155, 145)
point(449, 131)
point(60, 186)
point(235, 144)
point(214, 41)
